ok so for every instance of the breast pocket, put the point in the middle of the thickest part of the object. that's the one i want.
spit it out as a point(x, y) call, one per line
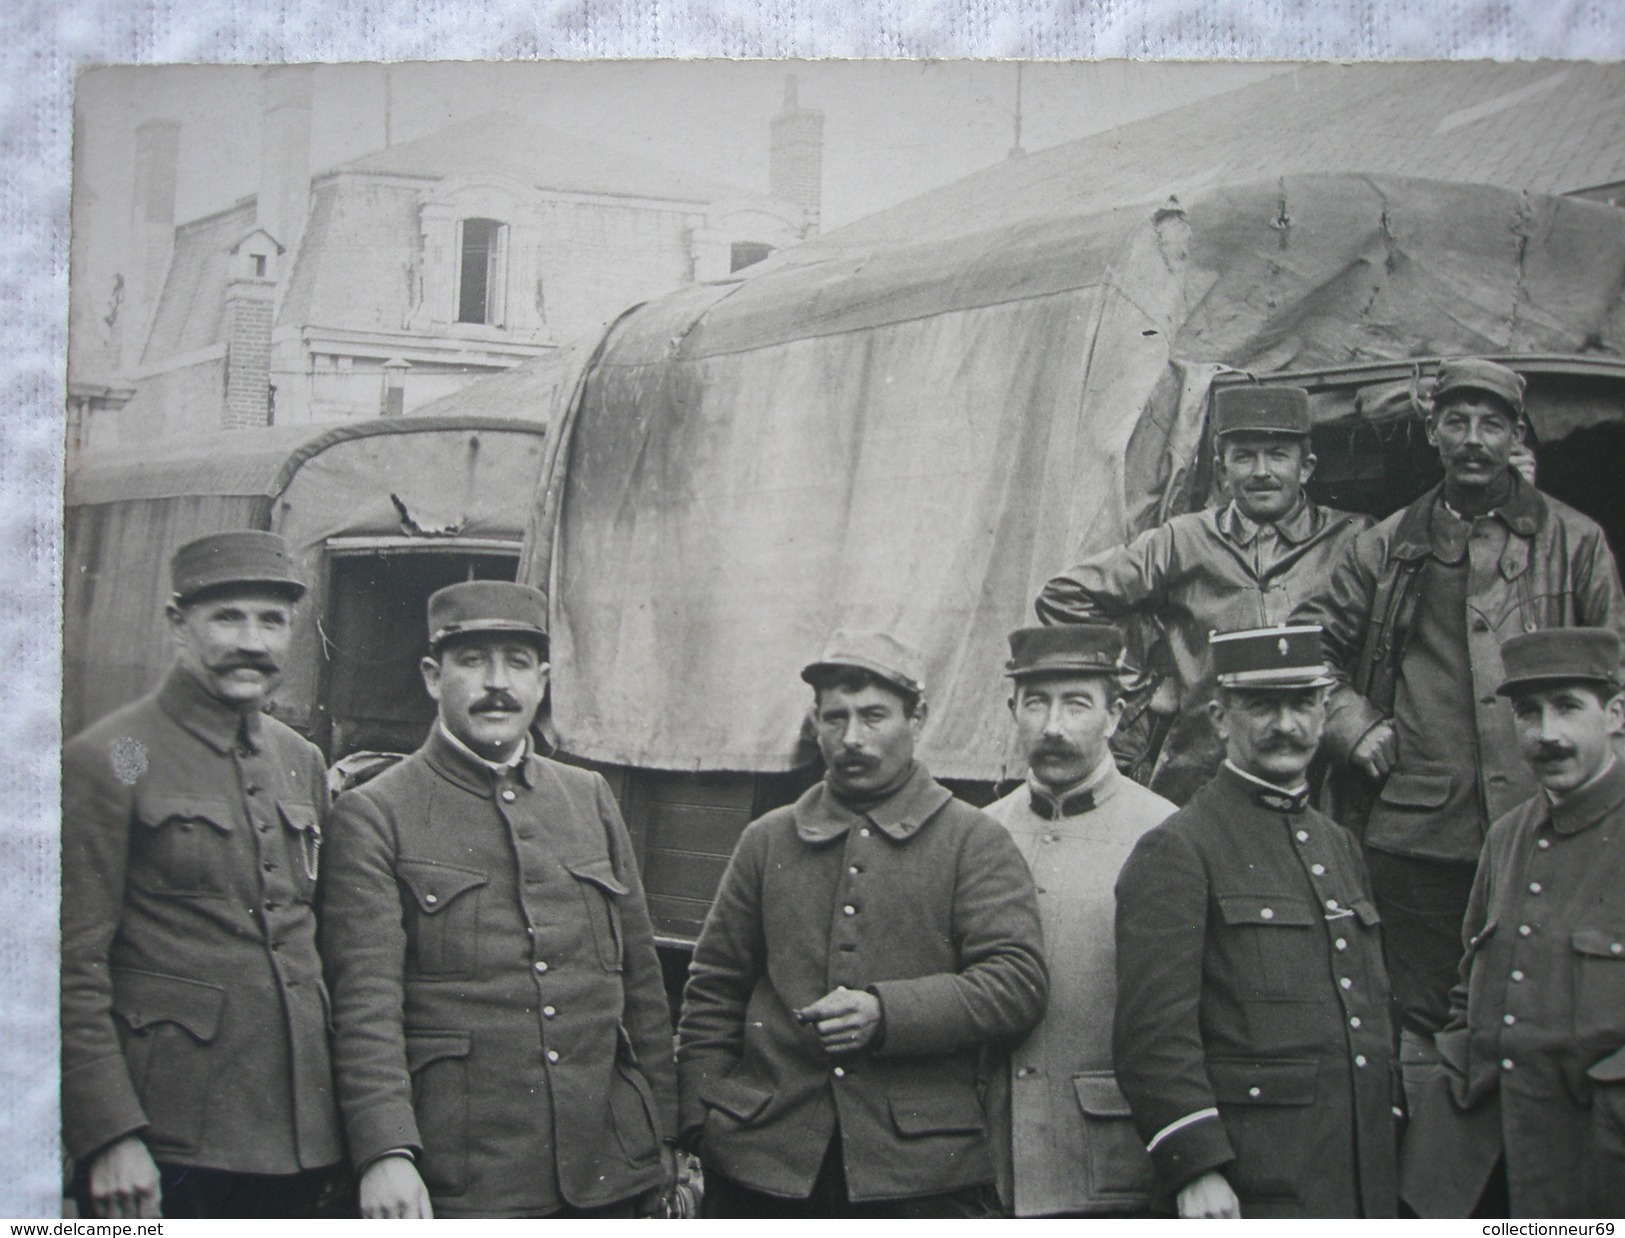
point(442, 917)
point(1599, 985)
point(302, 829)
point(1278, 956)
point(601, 894)
point(182, 848)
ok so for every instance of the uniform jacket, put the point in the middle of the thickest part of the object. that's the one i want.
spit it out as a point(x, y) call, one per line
point(1068, 1144)
point(1534, 563)
point(1205, 571)
point(497, 999)
point(1252, 1033)
point(923, 900)
point(193, 1011)
point(1536, 1037)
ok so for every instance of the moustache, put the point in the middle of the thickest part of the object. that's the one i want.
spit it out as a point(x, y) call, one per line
point(246, 662)
point(1055, 748)
point(1285, 743)
point(1554, 752)
point(498, 702)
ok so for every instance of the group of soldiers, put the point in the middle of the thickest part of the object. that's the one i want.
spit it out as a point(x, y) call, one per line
point(440, 995)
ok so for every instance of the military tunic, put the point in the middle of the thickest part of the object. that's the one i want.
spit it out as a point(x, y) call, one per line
point(497, 1000)
point(1068, 1143)
point(1252, 1033)
point(193, 1009)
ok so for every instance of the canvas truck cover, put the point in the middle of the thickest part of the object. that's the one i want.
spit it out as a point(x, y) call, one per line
point(917, 438)
point(413, 477)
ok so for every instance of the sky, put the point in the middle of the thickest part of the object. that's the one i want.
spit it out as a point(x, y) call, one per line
point(892, 129)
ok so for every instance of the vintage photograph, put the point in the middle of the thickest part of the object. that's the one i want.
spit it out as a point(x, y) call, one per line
point(866, 639)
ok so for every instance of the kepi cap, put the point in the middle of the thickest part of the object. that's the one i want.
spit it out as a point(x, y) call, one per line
point(879, 653)
point(1477, 374)
point(1558, 654)
point(1065, 649)
point(1270, 659)
point(245, 557)
point(1252, 408)
point(477, 606)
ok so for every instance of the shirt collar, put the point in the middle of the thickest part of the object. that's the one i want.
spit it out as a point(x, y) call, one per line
point(465, 767)
point(212, 720)
point(1085, 795)
point(820, 816)
point(1294, 528)
point(1267, 794)
point(1584, 806)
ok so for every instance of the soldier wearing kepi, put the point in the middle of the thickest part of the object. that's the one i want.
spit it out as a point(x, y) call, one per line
point(867, 945)
point(1246, 564)
point(196, 1080)
point(1068, 1147)
point(1526, 1117)
point(1252, 1035)
point(502, 1040)
point(1414, 617)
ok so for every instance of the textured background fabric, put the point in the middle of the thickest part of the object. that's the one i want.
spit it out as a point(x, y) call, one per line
point(43, 45)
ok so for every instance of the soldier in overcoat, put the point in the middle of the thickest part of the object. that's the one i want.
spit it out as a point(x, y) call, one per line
point(196, 1079)
point(502, 1039)
point(1252, 1035)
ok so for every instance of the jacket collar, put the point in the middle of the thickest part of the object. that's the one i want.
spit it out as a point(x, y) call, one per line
point(213, 721)
point(1413, 538)
point(1264, 794)
point(1294, 528)
point(1583, 807)
point(1083, 796)
point(821, 817)
point(458, 764)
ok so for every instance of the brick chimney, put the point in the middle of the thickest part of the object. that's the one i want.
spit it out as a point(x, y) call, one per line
point(250, 308)
point(152, 230)
point(795, 166)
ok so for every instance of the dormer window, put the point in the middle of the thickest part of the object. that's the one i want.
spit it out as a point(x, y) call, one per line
point(480, 271)
point(259, 265)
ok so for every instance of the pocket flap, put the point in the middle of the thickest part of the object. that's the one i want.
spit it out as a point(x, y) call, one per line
point(434, 886)
point(598, 870)
point(1268, 909)
point(739, 1101)
point(1099, 1096)
point(154, 808)
point(1367, 911)
point(142, 998)
point(1248, 1082)
point(1610, 1070)
point(297, 816)
point(1416, 790)
point(1600, 943)
point(953, 1114)
point(425, 1047)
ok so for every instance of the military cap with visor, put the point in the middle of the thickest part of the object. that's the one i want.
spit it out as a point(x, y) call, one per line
point(1476, 374)
point(477, 607)
point(1256, 408)
point(1065, 649)
point(247, 557)
point(1283, 659)
point(1560, 655)
point(881, 654)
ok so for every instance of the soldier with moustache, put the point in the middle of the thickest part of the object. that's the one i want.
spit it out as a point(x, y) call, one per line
point(196, 1080)
point(1247, 563)
point(1252, 1034)
point(1525, 1114)
point(502, 1039)
point(1067, 1145)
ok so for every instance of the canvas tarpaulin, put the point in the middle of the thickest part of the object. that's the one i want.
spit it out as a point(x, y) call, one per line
point(917, 438)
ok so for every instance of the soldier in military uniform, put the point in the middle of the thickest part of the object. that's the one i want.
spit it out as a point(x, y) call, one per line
point(196, 1080)
point(1067, 1146)
point(1247, 563)
point(1252, 1036)
point(1525, 1116)
point(502, 1040)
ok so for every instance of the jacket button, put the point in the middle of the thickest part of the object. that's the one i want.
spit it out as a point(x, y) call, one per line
point(1303, 836)
point(849, 910)
point(1534, 887)
point(1255, 1092)
point(1268, 913)
point(1544, 844)
point(552, 1055)
point(1617, 947)
point(507, 795)
point(1318, 870)
point(431, 899)
point(540, 966)
point(548, 1012)
point(1517, 974)
point(1524, 930)
point(1342, 943)
point(1509, 1019)
point(252, 788)
point(1346, 983)
point(1359, 1060)
point(1506, 1063)
point(1331, 904)
point(1354, 1020)
point(839, 1072)
point(864, 832)
point(1480, 625)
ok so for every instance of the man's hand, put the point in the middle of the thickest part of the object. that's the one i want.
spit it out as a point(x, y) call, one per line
point(847, 1019)
point(1209, 1196)
point(1376, 752)
point(124, 1180)
point(391, 1189)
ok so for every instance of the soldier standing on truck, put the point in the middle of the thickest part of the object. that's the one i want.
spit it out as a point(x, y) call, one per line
point(867, 945)
point(1246, 564)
